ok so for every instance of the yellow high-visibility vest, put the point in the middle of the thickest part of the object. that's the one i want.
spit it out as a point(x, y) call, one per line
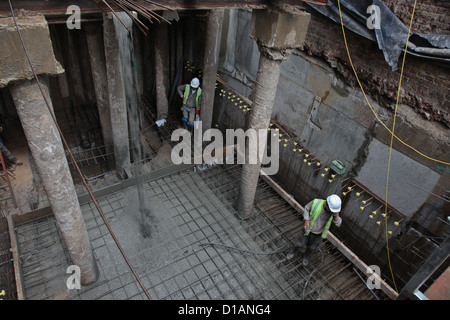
point(316, 208)
point(186, 95)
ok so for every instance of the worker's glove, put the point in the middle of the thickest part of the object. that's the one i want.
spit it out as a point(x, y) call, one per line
point(182, 97)
point(337, 220)
point(197, 111)
point(307, 226)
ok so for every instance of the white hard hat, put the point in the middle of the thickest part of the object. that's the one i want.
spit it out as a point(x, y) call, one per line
point(334, 203)
point(195, 83)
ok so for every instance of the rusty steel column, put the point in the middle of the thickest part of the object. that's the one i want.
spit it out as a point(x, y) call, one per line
point(276, 33)
point(210, 62)
point(48, 152)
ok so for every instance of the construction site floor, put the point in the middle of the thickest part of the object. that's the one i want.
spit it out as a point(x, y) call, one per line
point(195, 246)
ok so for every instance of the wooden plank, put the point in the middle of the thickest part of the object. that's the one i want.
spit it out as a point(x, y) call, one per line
point(31, 215)
point(16, 259)
point(350, 255)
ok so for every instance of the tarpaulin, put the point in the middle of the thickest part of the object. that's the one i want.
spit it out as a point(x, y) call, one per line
point(374, 21)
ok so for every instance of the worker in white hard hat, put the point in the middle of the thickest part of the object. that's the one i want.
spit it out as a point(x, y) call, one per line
point(318, 216)
point(191, 95)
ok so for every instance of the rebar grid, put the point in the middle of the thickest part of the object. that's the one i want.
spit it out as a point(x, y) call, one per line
point(7, 279)
point(190, 210)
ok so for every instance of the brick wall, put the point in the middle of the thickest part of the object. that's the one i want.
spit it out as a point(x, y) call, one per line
point(424, 85)
point(431, 16)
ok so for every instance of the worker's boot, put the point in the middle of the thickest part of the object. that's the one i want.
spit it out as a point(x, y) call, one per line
point(305, 261)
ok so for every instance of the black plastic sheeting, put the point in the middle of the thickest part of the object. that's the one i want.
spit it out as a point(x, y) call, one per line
point(360, 16)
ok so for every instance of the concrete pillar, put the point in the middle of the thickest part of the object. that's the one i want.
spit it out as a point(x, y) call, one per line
point(117, 99)
point(276, 33)
point(41, 132)
point(264, 96)
point(161, 72)
point(229, 30)
point(48, 153)
point(139, 65)
point(94, 39)
point(210, 62)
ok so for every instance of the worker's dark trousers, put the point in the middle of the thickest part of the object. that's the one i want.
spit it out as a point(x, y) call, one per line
point(6, 154)
point(306, 244)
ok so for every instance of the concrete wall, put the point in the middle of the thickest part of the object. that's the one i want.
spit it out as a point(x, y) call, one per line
point(404, 173)
point(332, 120)
point(35, 34)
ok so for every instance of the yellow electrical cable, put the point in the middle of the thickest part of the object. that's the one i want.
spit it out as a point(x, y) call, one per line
point(393, 126)
point(392, 140)
point(367, 100)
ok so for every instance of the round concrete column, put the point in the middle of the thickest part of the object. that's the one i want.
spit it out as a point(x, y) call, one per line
point(48, 152)
point(264, 96)
point(277, 34)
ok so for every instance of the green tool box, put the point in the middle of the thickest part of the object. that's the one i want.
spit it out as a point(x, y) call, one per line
point(338, 167)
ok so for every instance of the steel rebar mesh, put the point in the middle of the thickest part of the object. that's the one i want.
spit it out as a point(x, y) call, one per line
point(7, 279)
point(191, 209)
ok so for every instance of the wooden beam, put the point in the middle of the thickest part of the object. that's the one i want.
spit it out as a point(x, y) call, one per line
point(56, 7)
point(16, 259)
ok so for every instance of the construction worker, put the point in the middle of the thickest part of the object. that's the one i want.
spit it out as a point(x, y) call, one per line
point(191, 95)
point(318, 215)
